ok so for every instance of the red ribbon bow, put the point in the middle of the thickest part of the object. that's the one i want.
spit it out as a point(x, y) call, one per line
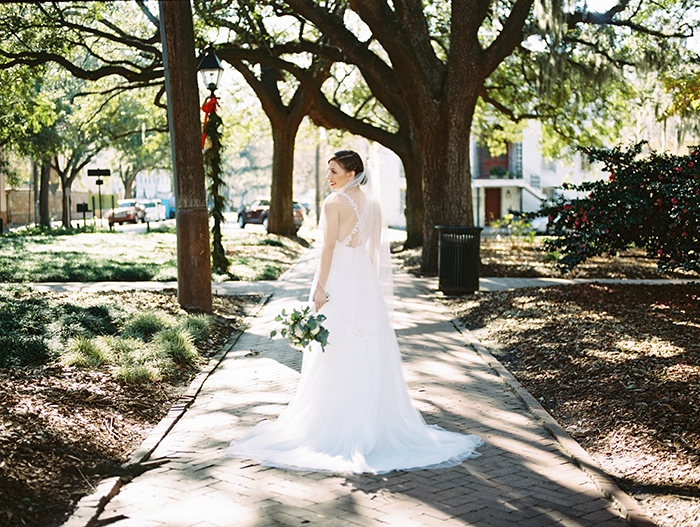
point(211, 105)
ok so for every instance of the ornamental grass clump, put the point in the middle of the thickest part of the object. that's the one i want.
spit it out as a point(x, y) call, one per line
point(82, 352)
point(134, 346)
point(135, 361)
point(198, 326)
point(146, 324)
point(177, 344)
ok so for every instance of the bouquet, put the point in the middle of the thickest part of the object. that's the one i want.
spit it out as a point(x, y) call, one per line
point(302, 327)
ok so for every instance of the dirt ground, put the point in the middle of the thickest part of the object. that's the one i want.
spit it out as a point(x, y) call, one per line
point(618, 366)
point(514, 258)
point(62, 429)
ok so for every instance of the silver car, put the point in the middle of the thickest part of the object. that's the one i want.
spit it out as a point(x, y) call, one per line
point(154, 210)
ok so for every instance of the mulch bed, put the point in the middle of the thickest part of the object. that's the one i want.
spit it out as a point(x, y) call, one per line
point(618, 365)
point(64, 429)
point(515, 258)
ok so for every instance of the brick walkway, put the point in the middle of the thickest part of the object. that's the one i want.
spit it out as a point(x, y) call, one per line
point(523, 477)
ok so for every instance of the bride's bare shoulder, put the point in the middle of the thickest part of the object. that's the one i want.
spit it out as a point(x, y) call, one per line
point(332, 201)
point(333, 197)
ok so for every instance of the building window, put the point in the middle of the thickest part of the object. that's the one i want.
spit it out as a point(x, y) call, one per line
point(515, 154)
point(585, 163)
point(549, 164)
point(489, 166)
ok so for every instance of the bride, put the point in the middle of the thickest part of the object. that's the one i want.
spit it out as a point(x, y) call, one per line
point(352, 412)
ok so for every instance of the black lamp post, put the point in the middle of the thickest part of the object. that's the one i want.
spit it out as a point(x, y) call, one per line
point(210, 70)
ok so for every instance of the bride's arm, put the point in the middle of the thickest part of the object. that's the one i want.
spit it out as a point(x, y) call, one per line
point(331, 223)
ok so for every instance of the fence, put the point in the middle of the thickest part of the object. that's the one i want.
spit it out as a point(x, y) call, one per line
point(21, 205)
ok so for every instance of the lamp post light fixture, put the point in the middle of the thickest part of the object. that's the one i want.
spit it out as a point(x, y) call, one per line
point(210, 69)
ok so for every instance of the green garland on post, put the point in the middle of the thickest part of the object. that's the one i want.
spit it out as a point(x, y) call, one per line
point(212, 170)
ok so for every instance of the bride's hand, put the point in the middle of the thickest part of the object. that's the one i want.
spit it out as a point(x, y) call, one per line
point(320, 298)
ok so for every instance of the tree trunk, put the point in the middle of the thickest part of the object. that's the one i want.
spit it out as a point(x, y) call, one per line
point(44, 211)
point(129, 186)
point(446, 182)
point(193, 252)
point(65, 203)
point(66, 183)
point(281, 215)
point(414, 200)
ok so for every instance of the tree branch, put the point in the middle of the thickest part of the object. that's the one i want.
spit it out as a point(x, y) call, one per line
point(37, 59)
point(508, 39)
point(508, 112)
point(608, 18)
point(322, 110)
point(377, 73)
point(596, 49)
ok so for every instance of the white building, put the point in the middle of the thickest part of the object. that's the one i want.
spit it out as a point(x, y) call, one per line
point(517, 181)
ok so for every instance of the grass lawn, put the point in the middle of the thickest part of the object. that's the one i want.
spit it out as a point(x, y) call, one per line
point(123, 256)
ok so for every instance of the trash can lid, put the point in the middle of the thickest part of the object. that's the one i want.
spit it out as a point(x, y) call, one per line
point(459, 229)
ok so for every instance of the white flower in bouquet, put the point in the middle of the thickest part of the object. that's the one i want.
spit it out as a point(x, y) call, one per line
point(302, 327)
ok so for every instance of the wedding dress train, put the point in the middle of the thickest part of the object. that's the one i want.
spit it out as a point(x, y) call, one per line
point(352, 412)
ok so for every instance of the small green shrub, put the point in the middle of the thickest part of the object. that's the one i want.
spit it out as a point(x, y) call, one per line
point(516, 227)
point(270, 272)
point(176, 344)
point(553, 256)
point(146, 324)
point(85, 353)
point(134, 360)
point(272, 242)
point(18, 350)
point(162, 228)
point(198, 327)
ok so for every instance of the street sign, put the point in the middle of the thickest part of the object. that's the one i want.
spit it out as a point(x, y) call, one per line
point(98, 172)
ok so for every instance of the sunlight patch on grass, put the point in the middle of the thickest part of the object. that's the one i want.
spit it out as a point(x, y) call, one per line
point(123, 256)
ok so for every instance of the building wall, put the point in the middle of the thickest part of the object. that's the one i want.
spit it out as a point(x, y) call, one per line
point(21, 205)
point(390, 179)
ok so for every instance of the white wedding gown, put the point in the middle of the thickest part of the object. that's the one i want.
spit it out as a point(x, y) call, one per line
point(352, 412)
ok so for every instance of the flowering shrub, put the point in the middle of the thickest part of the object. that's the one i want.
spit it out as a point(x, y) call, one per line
point(651, 202)
point(302, 328)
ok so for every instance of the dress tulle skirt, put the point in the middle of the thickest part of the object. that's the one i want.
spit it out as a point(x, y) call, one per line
point(352, 412)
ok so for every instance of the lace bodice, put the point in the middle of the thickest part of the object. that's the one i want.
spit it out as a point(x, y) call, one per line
point(353, 234)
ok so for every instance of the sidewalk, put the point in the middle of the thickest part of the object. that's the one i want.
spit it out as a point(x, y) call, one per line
point(524, 477)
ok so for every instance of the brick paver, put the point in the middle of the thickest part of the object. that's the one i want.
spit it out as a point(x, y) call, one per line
point(523, 477)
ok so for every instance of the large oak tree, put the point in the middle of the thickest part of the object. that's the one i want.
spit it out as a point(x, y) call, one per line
point(429, 63)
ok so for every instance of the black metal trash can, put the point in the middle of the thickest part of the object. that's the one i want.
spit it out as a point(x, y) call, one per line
point(458, 259)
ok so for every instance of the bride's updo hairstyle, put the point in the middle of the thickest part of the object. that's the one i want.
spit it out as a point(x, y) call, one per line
point(351, 161)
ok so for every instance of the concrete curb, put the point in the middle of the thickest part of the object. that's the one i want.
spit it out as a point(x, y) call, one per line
point(627, 505)
point(90, 507)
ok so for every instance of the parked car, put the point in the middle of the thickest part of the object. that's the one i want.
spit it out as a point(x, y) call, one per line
point(154, 210)
point(127, 211)
point(258, 211)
